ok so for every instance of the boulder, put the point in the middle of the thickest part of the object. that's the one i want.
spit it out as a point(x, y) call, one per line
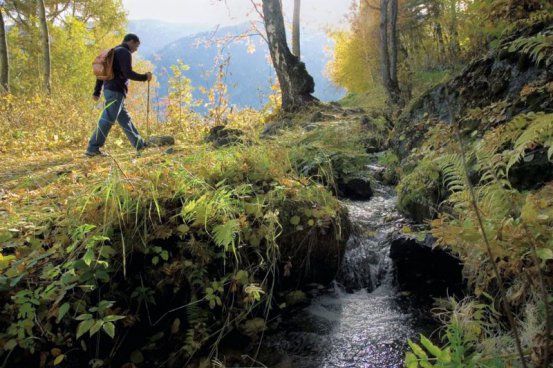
point(158, 141)
point(221, 136)
point(311, 255)
point(424, 270)
point(358, 188)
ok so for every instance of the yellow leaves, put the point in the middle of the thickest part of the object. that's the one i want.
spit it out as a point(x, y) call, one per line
point(5, 261)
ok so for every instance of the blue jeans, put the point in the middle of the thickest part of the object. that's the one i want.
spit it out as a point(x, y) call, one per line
point(114, 110)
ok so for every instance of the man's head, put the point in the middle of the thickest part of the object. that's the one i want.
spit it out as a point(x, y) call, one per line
point(132, 41)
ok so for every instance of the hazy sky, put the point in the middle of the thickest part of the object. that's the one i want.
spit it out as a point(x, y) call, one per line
point(211, 12)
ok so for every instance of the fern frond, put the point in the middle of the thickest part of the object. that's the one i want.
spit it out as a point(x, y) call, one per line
point(225, 234)
point(539, 47)
point(539, 132)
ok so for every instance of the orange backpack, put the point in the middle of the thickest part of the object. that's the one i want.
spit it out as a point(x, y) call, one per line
point(103, 65)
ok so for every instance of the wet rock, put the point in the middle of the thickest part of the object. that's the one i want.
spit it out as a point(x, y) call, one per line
point(311, 255)
point(426, 271)
point(295, 297)
point(221, 136)
point(355, 188)
point(275, 127)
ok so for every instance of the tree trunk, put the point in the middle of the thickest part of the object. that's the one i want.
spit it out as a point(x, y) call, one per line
point(295, 82)
point(388, 49)
point(454, 47)
point(384, 56)
point(441, 44)
point(296, 30)
point(45, 39)
point(394, 84)
point(4, 60)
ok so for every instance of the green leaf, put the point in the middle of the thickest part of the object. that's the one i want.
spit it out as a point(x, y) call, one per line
point(109, 328)
point(545, 254)
point(10, 345)
point(106, 251)
point(96, 327)
point(63, 311)
point(433, 349)
point(137, 357)
point(295, 220)
point(59, 359)
point(88, 257)
point(84, 317)
point(417, 350)
point(411, 360)
point(84, 327)
point(113, 318)
point(446, 356)
point(183, 229)
point(224, 234)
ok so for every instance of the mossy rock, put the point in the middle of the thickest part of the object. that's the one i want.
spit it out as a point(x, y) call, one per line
point(159, 141)
point(222, 136)
point(356, 188)
point(421, 192)
point(502, 76)
point(276, 127)
point(311, 247)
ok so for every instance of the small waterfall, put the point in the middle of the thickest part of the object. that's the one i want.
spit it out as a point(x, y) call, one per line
point(366, 263)
point(358, 322)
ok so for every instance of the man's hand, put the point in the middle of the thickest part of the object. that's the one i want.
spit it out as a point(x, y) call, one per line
point(149, 76)
point(96, 98)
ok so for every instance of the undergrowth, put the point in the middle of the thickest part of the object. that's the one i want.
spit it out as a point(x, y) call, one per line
point(150, 259)
point(517, 222)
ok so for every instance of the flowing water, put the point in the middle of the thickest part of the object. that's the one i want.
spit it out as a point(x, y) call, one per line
point(361, 321)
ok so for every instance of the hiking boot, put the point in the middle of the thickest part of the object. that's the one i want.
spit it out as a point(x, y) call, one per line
point(143, 147)
point(94, 154)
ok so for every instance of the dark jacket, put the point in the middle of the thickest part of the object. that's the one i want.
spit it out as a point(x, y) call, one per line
point(122, 70)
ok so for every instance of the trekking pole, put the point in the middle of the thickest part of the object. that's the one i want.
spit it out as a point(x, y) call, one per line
point(148, 113)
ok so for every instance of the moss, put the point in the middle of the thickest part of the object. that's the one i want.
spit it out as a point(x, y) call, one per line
point(420, 192)
point(392, 168)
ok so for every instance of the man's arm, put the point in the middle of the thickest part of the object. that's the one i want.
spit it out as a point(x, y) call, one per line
point(125, 63)
point(98, 89)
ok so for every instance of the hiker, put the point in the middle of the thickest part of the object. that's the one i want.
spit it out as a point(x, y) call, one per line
point(115, 92)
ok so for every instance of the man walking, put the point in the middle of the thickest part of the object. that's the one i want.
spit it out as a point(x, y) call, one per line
point(115, 92)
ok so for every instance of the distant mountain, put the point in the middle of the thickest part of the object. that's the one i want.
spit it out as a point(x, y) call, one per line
point(155, 34)
point(249, 71)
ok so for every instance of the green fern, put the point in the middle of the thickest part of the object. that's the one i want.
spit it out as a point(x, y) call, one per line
point(451, 166)
point(538, 132)
point(225, 234)
point(538, 47)
point(197, 332)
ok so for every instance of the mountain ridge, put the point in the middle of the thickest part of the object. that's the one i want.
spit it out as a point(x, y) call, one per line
point(249, 70)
